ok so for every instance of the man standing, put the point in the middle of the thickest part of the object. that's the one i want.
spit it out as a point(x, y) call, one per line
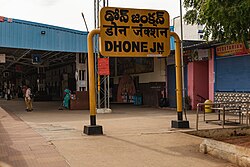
point(28, 100)
point(8, 97)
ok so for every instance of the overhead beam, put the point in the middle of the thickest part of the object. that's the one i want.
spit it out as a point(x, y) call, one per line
point(19, 58)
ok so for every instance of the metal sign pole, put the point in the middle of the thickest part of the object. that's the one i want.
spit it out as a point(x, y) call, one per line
point(179, 123)
point(92, 129)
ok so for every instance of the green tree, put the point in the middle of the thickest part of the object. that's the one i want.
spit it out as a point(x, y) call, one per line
point(224, 20)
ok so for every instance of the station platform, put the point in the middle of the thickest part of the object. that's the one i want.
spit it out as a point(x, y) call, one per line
point(133, 136)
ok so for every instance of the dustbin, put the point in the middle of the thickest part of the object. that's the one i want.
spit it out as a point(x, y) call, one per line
point(137, 99)
point(163, 102)
point(208, 106)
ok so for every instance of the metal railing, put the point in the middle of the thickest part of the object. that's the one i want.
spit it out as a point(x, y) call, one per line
point(201, 98)
point(223, 107)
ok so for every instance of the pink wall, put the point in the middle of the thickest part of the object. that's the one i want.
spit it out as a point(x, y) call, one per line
point(211, 76)
point(190, 85)
point(197, 81)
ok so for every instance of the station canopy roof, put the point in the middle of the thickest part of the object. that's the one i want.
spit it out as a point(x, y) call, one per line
point(21, 40)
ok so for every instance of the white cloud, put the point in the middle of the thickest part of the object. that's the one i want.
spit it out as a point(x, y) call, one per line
point(67, 13)
point(48, 2)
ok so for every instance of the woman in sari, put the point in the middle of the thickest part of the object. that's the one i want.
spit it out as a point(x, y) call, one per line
point(66, 98)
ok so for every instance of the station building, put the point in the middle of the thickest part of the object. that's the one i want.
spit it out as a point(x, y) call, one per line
point(212, 70)
point(42, 56)
point(218, 72)
point(51, 58)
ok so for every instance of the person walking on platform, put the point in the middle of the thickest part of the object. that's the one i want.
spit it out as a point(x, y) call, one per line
point(66, 99)
point(28, 100)
point(8, 94)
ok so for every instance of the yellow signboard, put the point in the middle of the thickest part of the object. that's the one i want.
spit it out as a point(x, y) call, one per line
point(134, 32)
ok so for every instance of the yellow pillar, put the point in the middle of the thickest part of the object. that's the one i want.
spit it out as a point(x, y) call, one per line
point(178, 75)
point(92, 129)
point(91, 69)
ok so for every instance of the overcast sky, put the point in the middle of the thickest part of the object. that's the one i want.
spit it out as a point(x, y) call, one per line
point(67, 13)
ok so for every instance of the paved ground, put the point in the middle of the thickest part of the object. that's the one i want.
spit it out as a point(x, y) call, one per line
point(134, 136)
point(22, 146)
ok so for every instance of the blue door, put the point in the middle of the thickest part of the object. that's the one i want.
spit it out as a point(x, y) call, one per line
point(232, 73)
point(171, 84)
